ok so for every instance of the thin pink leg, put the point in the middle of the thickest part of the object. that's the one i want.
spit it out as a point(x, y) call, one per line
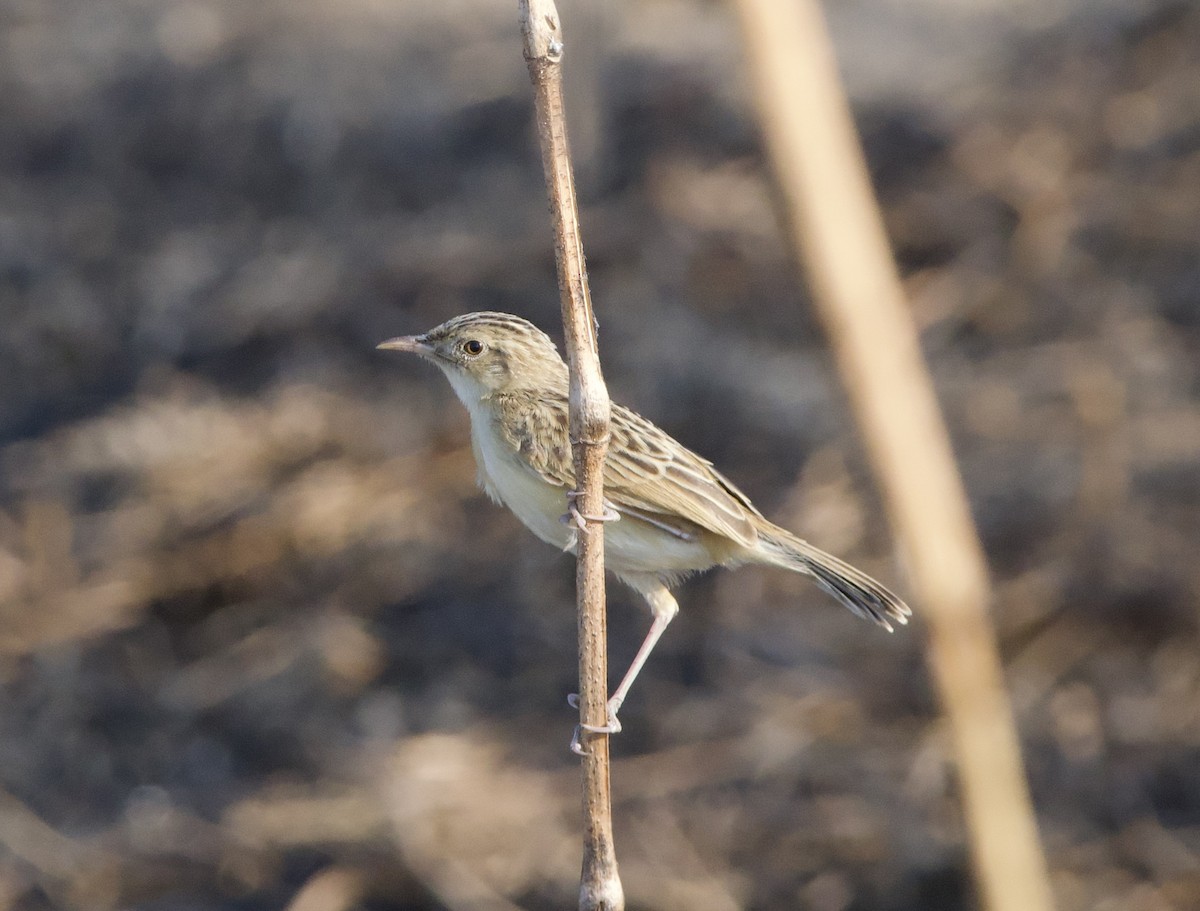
point(664, 607)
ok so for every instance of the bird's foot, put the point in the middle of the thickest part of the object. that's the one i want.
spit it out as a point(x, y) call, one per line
point(612, 726)
point(579, 519)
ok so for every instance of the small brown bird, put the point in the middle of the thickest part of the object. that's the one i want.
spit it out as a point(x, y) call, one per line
point(677, 514)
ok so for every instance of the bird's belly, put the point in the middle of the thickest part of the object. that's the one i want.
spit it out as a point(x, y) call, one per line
point(634, 546)
point(630, 544)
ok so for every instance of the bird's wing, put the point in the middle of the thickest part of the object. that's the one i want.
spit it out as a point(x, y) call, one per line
point(649, 471)
point(647, 474)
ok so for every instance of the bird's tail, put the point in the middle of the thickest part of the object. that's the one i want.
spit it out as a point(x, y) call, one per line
point(852, 587)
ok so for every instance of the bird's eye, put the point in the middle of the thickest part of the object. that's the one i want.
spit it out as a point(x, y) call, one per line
point(473, 347)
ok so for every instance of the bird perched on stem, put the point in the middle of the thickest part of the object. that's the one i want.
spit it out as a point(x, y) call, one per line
point(672, 513)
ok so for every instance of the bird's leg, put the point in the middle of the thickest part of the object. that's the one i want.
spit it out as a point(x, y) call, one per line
point(664, 607)
point(574, 517)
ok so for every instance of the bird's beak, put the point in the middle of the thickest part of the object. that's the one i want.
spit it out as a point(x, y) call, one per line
point(414, 344)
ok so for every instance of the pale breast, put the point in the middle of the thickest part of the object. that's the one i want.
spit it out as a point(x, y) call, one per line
point(527, 495)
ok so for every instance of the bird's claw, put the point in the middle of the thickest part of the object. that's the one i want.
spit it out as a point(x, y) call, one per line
point(577, 742)
point(579, 519)
point(612, 726)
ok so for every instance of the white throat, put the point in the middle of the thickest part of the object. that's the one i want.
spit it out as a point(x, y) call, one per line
point(466, 387)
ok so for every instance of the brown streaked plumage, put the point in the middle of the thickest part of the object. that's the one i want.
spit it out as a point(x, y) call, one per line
point(677, 513)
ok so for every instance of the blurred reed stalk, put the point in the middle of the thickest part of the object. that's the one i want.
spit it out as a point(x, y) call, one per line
point(600, 885)
point(839, 238)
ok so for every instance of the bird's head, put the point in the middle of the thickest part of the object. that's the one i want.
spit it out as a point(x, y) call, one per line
point(487, 353)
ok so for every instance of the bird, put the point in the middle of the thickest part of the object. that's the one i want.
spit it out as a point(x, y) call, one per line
point(671, 512)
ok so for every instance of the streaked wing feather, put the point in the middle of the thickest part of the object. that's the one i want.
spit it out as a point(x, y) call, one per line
point(650, 471)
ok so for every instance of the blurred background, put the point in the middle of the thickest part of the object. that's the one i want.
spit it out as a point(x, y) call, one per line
point(264, 645)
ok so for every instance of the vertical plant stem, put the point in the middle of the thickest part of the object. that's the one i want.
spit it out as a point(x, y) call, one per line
point(600, 885)
point(839, 238)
